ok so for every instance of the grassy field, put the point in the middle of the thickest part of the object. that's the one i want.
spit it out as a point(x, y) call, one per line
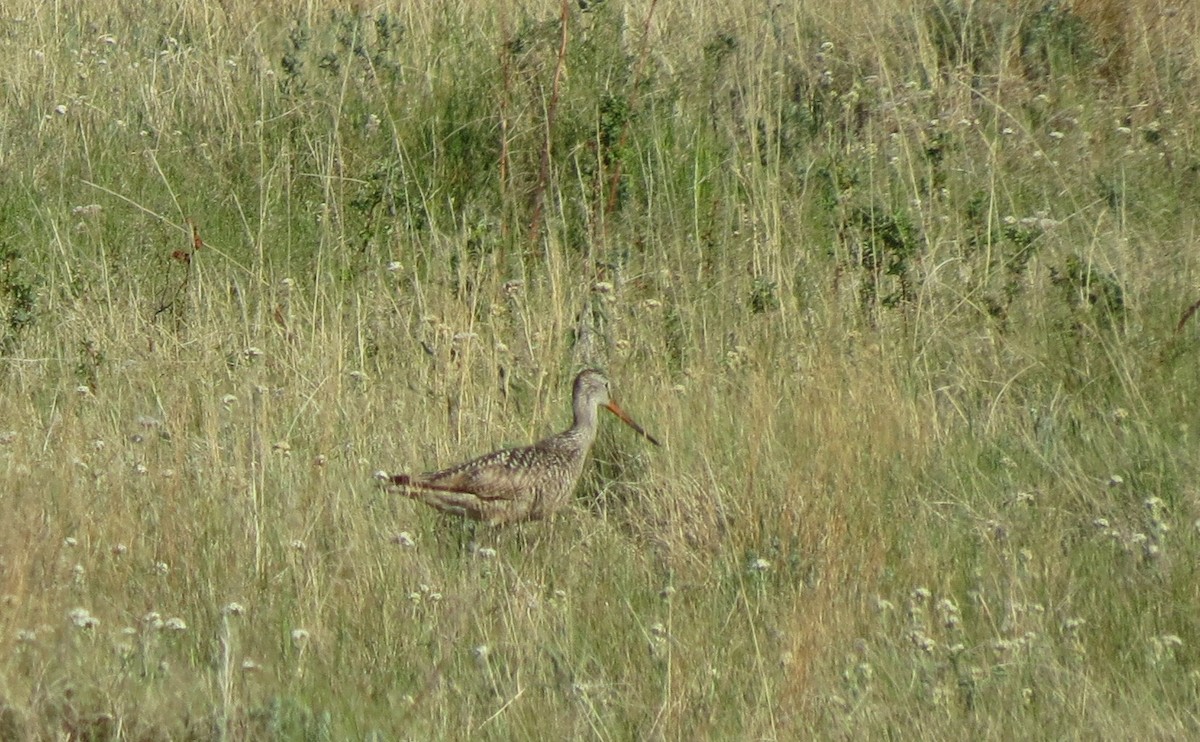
point(905, 292)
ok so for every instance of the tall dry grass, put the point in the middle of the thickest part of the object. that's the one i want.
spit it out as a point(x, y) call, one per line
point(903, 292)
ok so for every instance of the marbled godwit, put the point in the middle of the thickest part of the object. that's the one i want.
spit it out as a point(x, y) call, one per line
point(518, 484)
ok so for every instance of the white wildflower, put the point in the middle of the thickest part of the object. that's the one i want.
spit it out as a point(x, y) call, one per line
point(759, 565)
point(83, 619)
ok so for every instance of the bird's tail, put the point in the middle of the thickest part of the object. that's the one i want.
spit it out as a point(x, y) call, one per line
point(397, 483)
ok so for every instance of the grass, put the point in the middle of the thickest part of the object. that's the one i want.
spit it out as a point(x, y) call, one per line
point(904, 295)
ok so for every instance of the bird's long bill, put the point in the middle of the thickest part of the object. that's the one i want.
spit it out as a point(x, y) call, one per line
point(615, 409)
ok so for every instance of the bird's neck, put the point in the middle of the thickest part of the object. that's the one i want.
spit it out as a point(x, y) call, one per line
point(584, 426)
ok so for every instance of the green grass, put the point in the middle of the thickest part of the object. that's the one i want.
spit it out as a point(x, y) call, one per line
point(905, 297)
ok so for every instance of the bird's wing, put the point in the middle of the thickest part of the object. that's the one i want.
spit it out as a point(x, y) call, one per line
point(500, 475)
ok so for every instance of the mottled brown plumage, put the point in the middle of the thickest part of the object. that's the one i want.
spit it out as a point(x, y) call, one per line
point(518, 484)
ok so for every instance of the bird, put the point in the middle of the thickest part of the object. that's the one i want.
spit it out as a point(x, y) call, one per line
point(529, 483)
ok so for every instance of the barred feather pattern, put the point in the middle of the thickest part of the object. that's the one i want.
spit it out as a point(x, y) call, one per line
point(519, 484)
